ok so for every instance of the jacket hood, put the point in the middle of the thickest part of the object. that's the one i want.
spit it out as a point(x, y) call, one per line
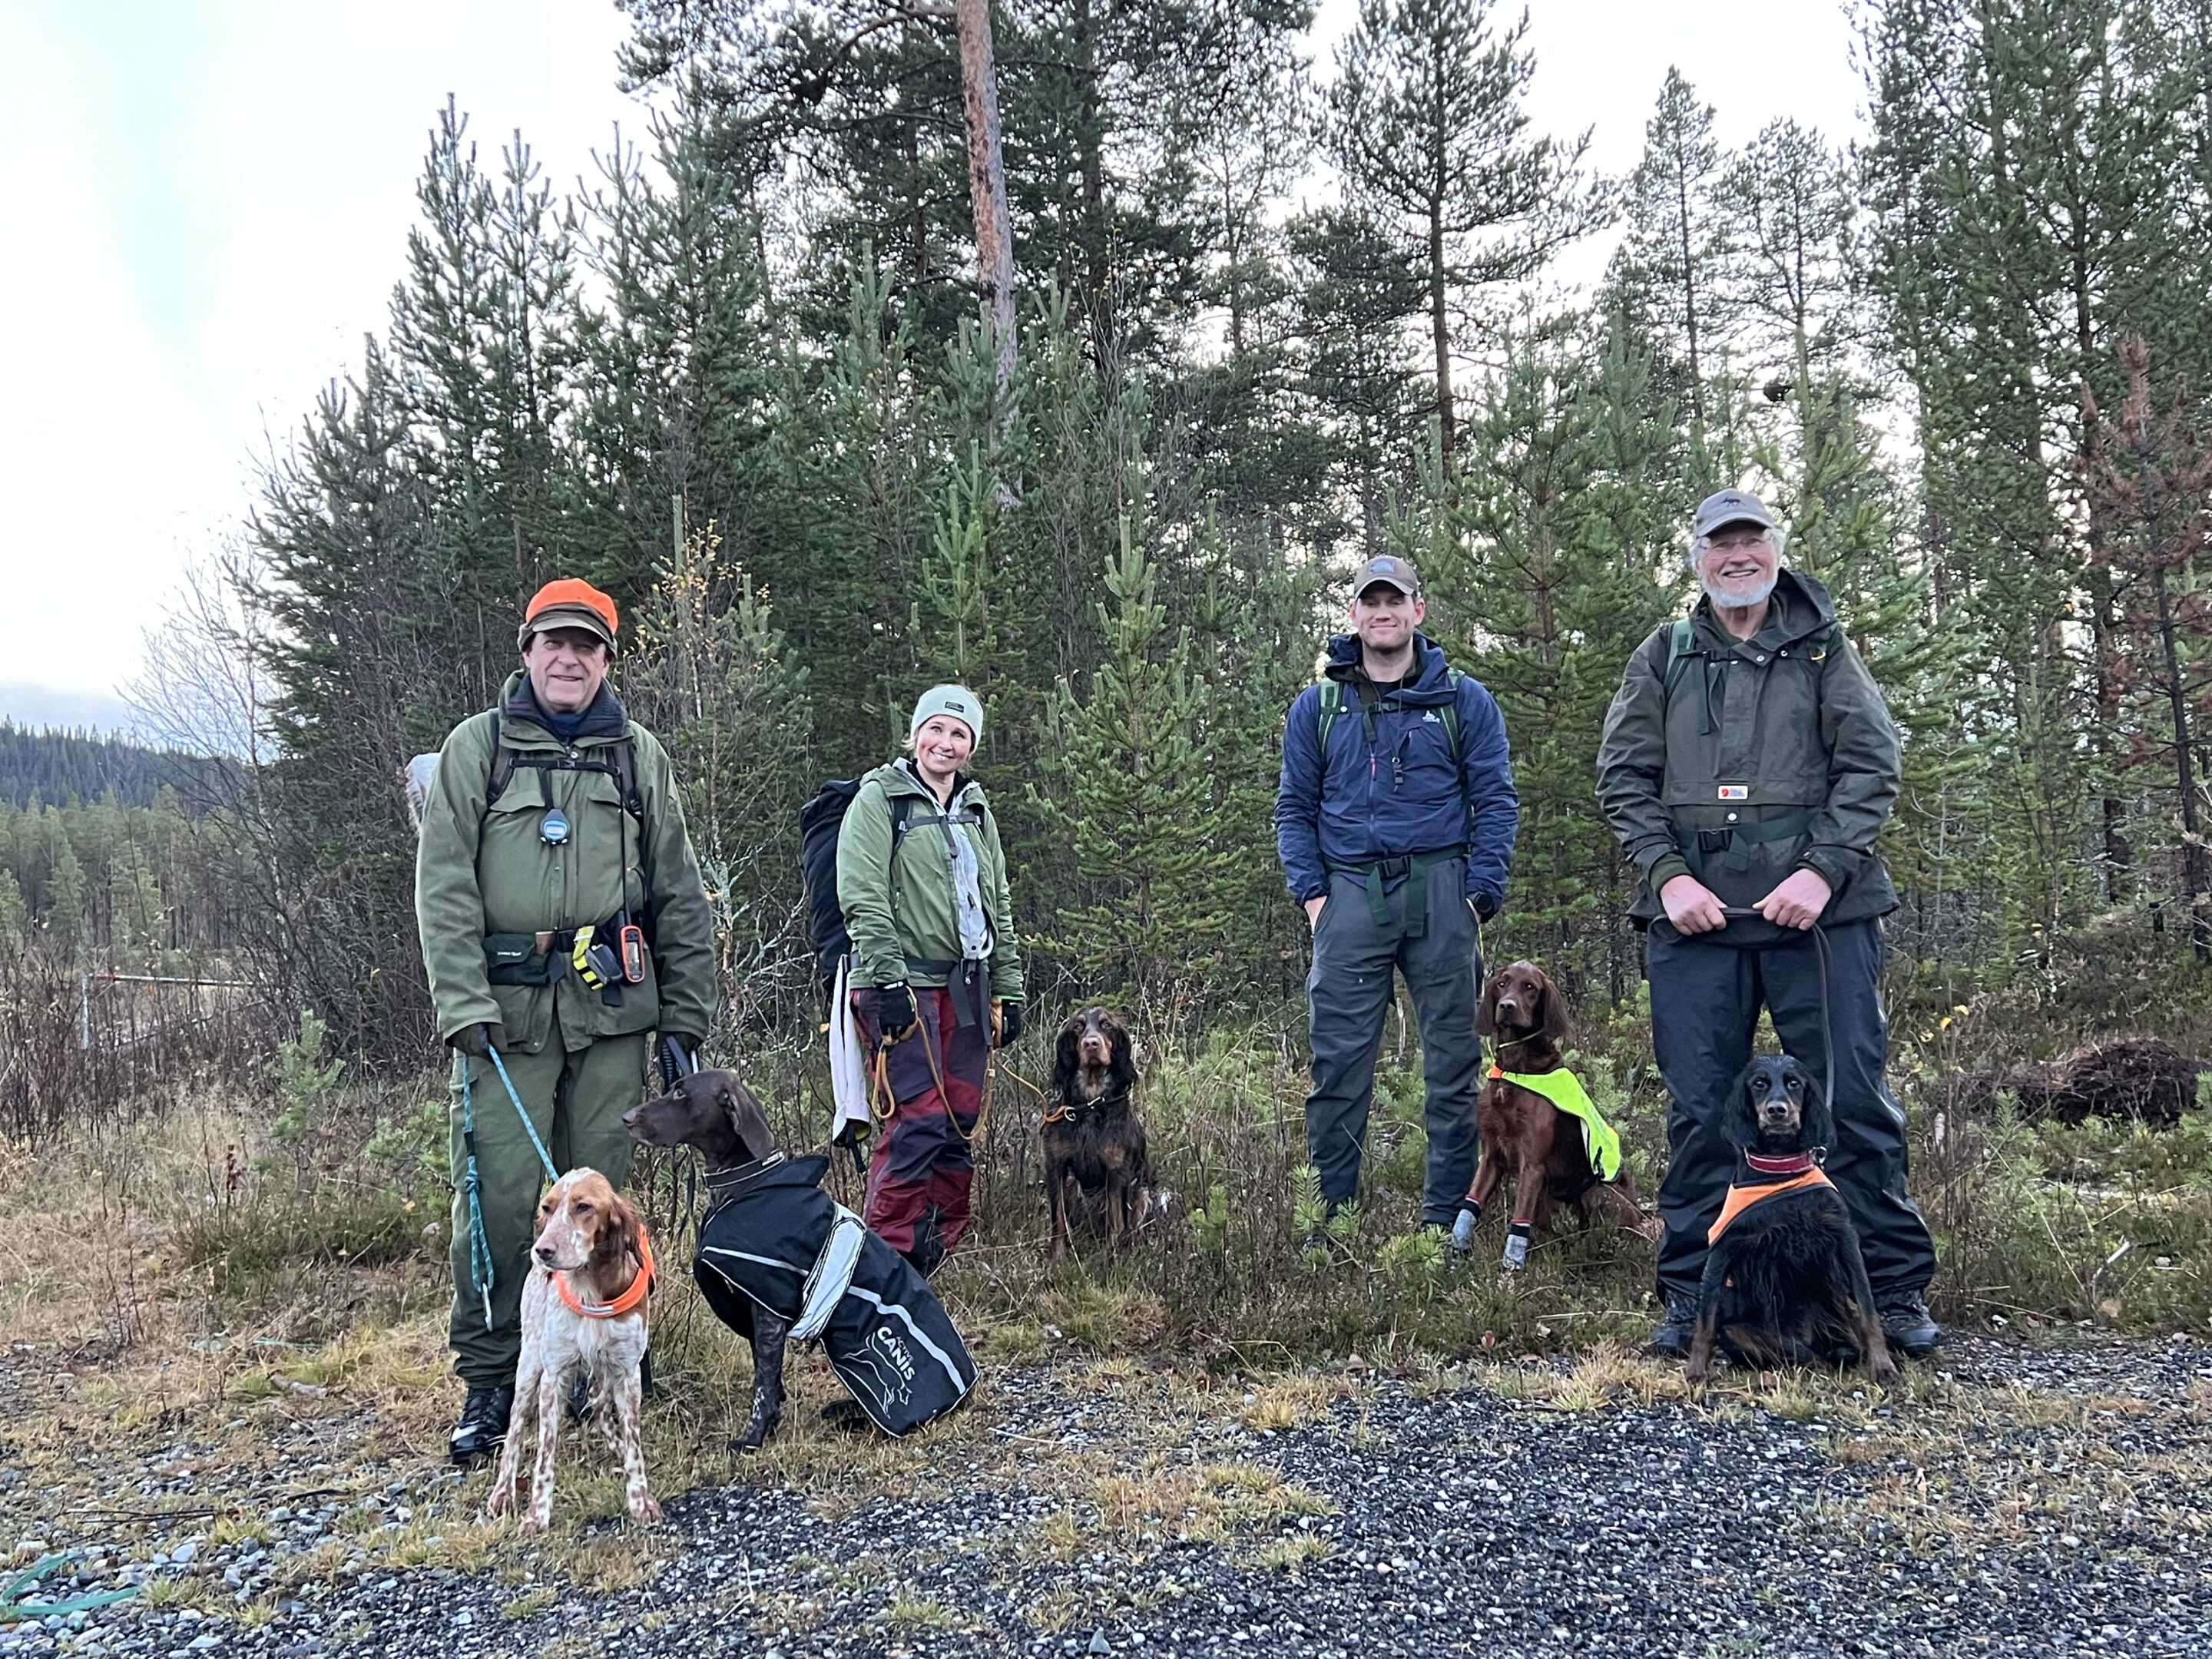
point(1800, 606)
point(1429, 684)
point(898, 779)
point(604, 719)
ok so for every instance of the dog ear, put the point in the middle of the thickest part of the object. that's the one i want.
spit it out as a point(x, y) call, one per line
point(747, 1121)
point(1486, 1012)
point(1121, 1065)
point(1063, 1063)
point(1555, 1022)
point(621, 1234)
point(1819, 1117)
point(1739, 1117)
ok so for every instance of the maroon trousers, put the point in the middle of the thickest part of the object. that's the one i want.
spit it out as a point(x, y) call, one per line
point(920, 1176)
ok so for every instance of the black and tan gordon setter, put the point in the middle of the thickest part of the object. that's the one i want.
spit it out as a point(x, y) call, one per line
point(1523, 1134)
point(1784, 1281)
point(1093, 1139)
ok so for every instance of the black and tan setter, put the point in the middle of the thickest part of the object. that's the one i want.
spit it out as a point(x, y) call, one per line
point(1093, 1139)
point(1523, 1134)
point(1784, 1281)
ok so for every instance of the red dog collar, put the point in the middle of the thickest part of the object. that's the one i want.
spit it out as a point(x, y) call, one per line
point(1796, 1163)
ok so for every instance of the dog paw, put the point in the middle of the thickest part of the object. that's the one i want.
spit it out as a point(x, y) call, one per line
point(1886, 1373)
point(646, 1512)
point(531, 1526)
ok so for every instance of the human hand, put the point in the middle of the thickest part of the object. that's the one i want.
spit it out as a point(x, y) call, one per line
point(894, 1012)
point(480, 1041)
point(1313, 909)
point(1798, 902)
point(1692, 906)
point(1010, 1021)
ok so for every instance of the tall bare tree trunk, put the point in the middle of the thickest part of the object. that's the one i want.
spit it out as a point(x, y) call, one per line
point(987, 183)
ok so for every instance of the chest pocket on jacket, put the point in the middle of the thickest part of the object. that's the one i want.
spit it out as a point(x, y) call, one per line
point(1416, 745)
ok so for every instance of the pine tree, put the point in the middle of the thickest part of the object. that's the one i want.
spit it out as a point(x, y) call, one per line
point(1124, 781)
point(1669, 267)
point(1427, 131)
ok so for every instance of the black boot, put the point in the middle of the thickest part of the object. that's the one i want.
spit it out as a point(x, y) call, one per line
point(1907, 1323)
point(483, 1423)
point(1671, 1340)
point(928, 1250)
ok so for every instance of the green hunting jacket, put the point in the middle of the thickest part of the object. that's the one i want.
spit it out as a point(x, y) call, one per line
point(1785, 724)
point(899, 907)
point(482, 870)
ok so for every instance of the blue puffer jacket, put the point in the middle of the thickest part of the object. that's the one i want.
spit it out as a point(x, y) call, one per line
point(1395, 791)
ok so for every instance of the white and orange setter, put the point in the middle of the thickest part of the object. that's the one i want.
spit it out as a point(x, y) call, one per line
point(583, 1310)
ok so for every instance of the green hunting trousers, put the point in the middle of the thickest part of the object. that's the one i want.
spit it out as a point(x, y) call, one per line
point(575, 1101)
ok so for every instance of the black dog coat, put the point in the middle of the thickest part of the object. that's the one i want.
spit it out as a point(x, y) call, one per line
point(783, 1243)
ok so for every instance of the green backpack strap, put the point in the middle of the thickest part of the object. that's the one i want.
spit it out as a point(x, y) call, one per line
point(1681, 646)
point(1332, 705)
point(1679, 649)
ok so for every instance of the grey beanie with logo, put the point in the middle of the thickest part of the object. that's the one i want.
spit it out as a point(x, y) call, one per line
point(956, 701)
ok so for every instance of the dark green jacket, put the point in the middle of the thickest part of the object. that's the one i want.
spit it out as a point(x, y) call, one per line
point(899, 907)
point(1796, 726)
point(482, 870)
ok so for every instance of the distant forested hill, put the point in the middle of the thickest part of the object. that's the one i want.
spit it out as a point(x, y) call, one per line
point(52, 769)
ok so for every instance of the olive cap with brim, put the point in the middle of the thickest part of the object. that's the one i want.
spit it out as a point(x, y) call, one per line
point(569, 603)
point(956, 702)
point(1387, 571)
point(1729, 507)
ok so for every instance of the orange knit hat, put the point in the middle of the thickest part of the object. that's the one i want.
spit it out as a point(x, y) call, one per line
point(569, 603)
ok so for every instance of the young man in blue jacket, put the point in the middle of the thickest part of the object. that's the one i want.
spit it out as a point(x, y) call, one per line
point(1395, 821)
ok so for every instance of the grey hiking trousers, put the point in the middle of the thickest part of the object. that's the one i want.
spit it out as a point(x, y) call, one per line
point(1348, 996)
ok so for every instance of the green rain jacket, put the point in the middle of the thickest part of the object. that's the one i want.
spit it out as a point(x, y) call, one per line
point(484, 870)
point(1778, 746)
point(899, 907)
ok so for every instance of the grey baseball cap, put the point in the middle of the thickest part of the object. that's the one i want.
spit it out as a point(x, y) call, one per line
point(1729, 507)
point(1391, 571)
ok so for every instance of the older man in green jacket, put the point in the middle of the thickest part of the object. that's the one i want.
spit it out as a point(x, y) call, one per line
point(562, 921)
point(1748, 764)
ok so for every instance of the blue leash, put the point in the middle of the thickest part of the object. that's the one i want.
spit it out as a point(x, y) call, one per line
point(480, 1267)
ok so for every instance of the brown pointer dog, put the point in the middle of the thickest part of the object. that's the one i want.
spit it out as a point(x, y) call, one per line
point(715, 1112)
point(1525, 1015)
point(1091, 1134)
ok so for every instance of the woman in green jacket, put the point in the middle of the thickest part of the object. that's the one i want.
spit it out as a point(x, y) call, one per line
point(937, 971)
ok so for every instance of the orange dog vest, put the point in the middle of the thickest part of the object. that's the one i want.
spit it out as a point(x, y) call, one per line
point(1741, 1199)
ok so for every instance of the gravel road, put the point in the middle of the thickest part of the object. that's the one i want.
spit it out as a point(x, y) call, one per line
point(2017, 1500)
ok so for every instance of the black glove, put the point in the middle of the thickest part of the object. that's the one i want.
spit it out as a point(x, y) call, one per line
point(1010, 1021)
point(675, 1067)
point(895, 1012)
point(480, 1040)
point(1485, 905)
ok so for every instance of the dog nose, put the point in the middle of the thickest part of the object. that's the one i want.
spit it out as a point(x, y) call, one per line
point(547, 1253)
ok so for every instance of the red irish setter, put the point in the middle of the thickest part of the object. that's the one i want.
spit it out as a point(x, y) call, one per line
point(1525, 1134)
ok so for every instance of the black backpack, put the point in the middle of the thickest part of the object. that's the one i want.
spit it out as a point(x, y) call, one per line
point(819, 821)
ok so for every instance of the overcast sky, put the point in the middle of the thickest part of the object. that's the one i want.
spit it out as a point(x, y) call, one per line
point(208, 201)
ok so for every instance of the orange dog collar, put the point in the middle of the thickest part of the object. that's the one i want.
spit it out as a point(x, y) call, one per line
point(1741, 1199)
point(628, 1301)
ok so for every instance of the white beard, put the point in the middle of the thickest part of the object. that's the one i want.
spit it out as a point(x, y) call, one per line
point(1739, 601)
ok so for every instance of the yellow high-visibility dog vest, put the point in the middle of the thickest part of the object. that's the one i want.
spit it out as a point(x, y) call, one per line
point(1601, 1141)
